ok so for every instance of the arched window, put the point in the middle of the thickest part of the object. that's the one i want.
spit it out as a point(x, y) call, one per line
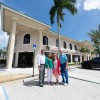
point(56, 42)
point(26, 39)
point(70, 46)
point(64, 45)
point(45, 40)
point(75, 47)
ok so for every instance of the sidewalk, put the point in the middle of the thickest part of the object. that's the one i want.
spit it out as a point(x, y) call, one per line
point(16, 73)
point(21, 73)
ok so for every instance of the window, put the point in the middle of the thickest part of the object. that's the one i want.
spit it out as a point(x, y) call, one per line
point(70, 46)
point(26, 39)
point(64, 45)
point(45, 40)
point(56, 42)
point(75, 47)
point(69, 57)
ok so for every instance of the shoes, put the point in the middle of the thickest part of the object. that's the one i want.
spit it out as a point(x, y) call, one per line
point(65, 84)
point(48, 83)
point(51, 83)
point(57, 83)
point(41, 85)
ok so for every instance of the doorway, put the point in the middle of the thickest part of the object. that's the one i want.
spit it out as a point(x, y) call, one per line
point(25, 59)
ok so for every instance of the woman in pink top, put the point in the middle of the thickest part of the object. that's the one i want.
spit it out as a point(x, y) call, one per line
point(56, 70)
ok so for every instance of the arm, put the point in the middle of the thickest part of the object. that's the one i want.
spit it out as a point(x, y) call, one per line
point(46, 63)
point(67, 65)
point(38, 62)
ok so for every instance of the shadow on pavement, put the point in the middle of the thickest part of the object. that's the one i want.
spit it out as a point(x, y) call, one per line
point(35, 82)
point(31, 83)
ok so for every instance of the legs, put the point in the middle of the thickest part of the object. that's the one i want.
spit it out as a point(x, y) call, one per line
point(57, 79)
point(41, 75)
point(66, 76)
point(49, 75)
point(64, 73)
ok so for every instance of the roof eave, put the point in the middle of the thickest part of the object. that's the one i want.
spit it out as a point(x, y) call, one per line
point(20, 13)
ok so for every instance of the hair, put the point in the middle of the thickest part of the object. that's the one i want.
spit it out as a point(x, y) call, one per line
point(51, 56)
point(42, 50)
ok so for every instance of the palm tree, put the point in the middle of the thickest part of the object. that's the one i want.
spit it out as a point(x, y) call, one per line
point(57, 10)
point(95, 38)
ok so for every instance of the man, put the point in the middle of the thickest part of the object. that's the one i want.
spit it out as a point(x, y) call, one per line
point(41, 67)
point(64, 67)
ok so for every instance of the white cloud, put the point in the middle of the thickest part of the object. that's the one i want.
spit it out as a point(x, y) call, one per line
point(3, 39)
point(3, 36)
point(78, 3)
point(91, 4)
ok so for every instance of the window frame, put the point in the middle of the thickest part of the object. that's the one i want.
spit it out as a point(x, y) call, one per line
point(27, 41)
point(45, 42)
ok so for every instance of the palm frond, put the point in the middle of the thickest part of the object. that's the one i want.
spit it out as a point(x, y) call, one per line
point(52, 14)
point(70, 7)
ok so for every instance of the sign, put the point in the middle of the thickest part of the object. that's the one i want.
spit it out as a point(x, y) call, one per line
point(34, 46)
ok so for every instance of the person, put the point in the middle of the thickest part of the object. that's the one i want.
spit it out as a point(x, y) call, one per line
point(49, 66)
point(41, 66)
point(64, 67)
point(56, 70)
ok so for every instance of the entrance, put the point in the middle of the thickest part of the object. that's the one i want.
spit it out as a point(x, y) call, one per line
point(25, 59)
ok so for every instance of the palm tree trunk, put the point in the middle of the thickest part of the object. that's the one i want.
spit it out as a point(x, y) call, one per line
point(58, 22)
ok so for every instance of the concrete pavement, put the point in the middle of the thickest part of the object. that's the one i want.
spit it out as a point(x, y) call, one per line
point(21, 73)
point(29, 90)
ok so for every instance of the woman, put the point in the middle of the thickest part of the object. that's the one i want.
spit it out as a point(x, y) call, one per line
point(56, 70)
point(49, 66)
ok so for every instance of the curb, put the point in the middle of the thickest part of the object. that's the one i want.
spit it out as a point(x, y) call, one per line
point(84, 80)
point(16, 79)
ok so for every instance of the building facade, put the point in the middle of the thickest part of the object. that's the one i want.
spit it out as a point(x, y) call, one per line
point(28, 36)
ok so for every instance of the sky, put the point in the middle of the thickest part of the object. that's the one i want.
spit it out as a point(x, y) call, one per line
point(75, 27)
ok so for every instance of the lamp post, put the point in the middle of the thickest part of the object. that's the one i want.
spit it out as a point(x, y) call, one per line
point(34, 47)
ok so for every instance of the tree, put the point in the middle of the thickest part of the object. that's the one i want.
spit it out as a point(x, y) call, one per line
point(4, 52)
point(95, 38)
point(57, 10)
point(0, 52)
point(84, 50)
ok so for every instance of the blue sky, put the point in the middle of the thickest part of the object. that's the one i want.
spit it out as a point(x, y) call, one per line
point(76, 27)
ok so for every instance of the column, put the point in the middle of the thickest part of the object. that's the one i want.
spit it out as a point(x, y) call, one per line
point(80, 58)
point(71, 58)
point(16, 60)
point(40, 40)
point(39, 47)
point(11, 44)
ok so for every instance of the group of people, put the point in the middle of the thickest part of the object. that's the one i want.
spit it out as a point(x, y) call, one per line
point(55, 66)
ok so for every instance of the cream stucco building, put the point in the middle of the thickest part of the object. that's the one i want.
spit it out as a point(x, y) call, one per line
point(24, 32)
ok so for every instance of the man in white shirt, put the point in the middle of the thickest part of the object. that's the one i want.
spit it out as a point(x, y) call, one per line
point(41, 67)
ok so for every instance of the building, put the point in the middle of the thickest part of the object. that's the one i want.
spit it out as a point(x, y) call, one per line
point(25, 32)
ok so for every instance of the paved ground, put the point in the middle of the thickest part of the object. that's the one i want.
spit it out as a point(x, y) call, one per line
point(94, 72)
point(76, 90)
point(86, 75)
point(18, 73)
